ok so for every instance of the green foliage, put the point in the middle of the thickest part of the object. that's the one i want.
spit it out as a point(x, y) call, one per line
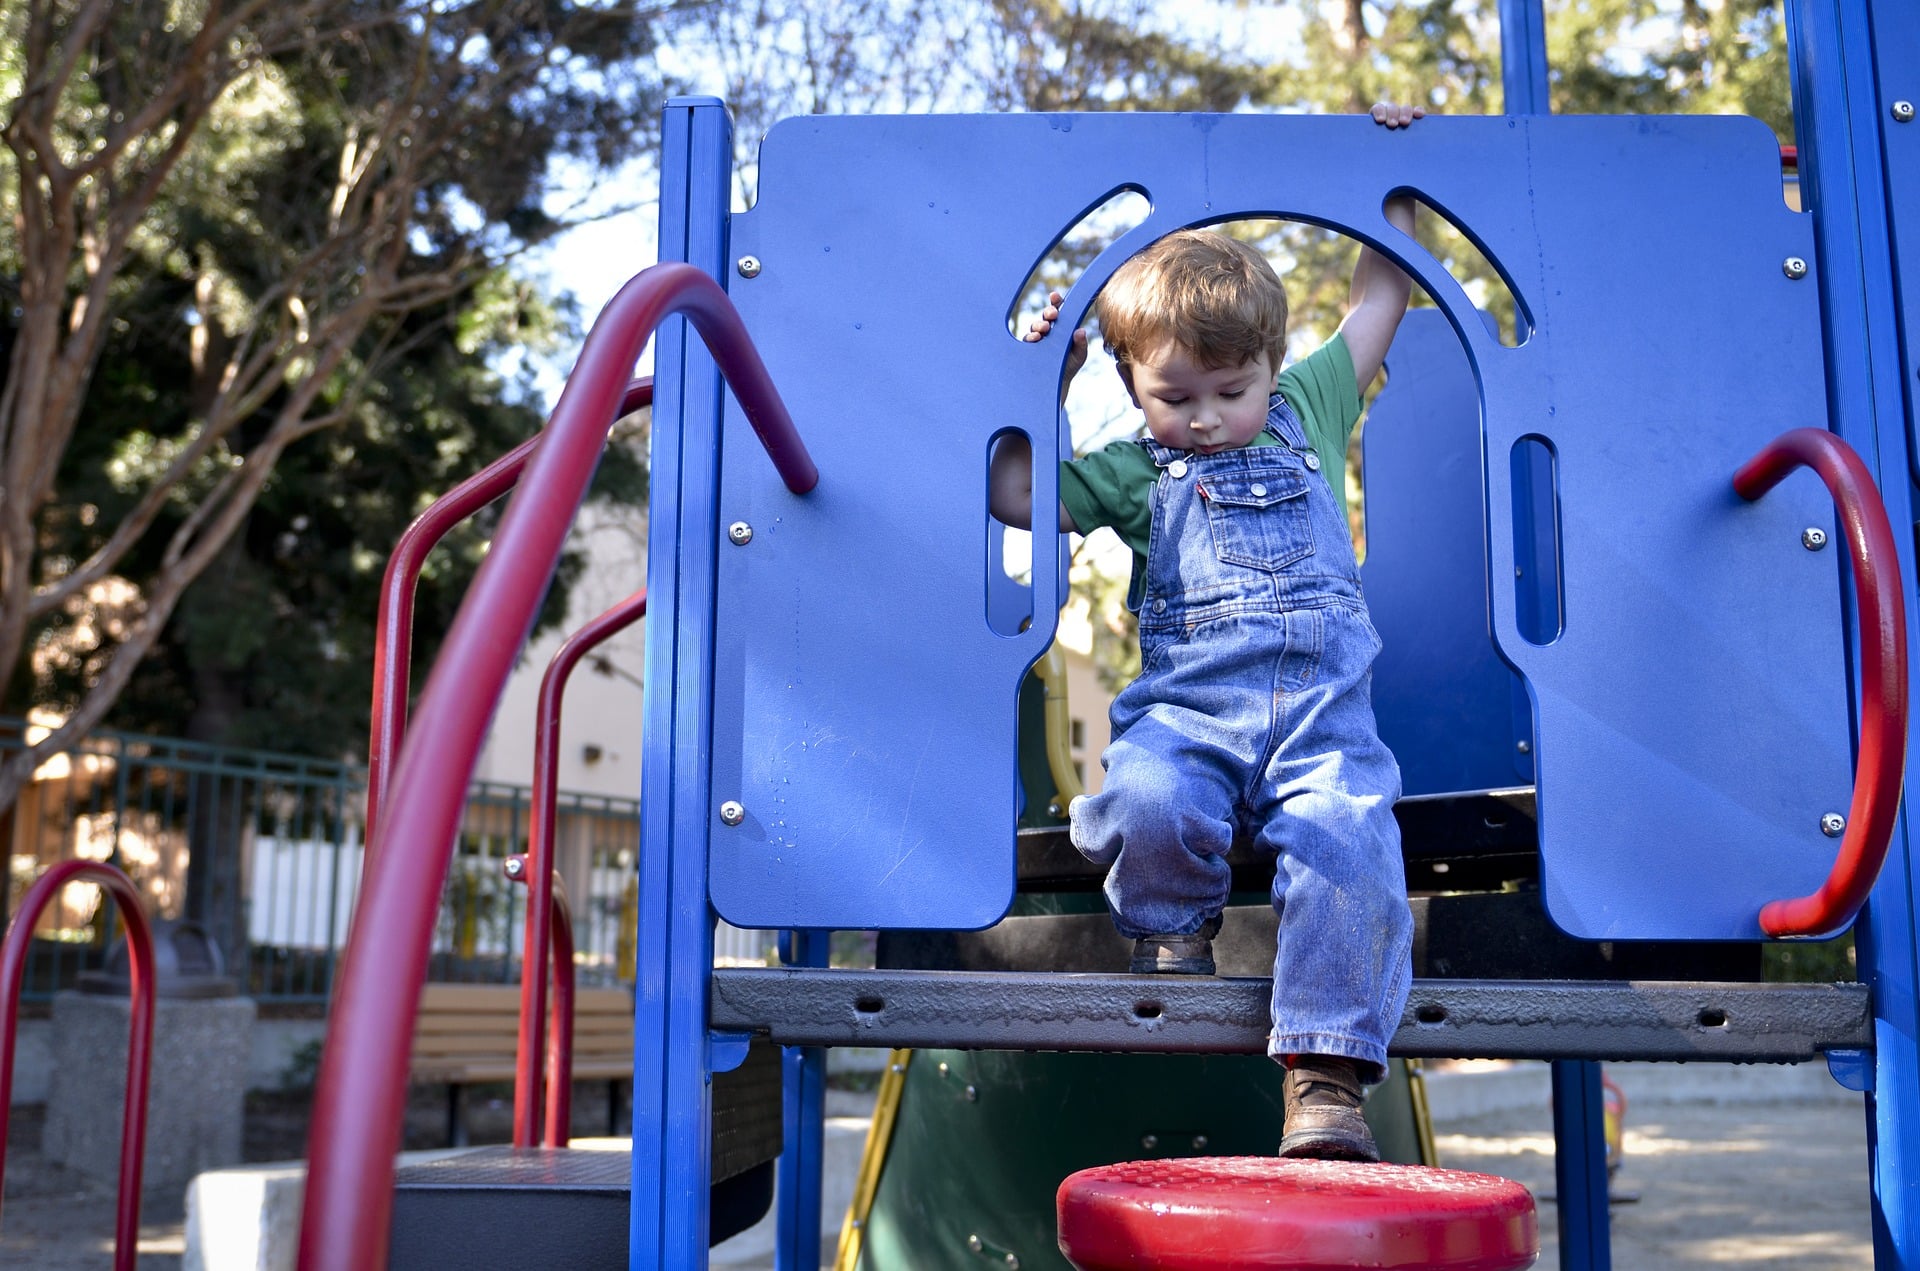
point(1810, 961)
point(332, 256)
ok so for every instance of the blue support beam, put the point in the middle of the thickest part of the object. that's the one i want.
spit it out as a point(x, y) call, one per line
point(1580, 1166)
point(672, 1103)
point(803, 1111)
point(1853, 60)
point(1523, 58)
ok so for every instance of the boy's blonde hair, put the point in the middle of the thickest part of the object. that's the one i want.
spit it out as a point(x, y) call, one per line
point(1213, 296)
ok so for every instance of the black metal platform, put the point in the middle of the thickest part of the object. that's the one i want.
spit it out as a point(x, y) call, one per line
point(1738, 1023)
point(1477, 839)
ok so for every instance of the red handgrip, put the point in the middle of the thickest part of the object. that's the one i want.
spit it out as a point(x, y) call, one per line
point(140, 969)
point(558, 1073)
point(1881, 764)
point(393, 636)
point(542, 901)
point(360, 1097)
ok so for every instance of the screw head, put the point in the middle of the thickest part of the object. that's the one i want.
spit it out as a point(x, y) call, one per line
point(1903, 112)
point(1525, 747)
point(1794, 267)
point(515, 867)
point(975, 1243)
point(732, 812)
point(1149, 1141)
point(1813, 538)
point(973, 1094)
point(1833, 825)
point(739, 533)
point(1013, 1262)
point(1199, 1142)
point(749, 266)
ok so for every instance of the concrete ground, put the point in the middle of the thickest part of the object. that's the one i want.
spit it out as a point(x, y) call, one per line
point(1735, 1168)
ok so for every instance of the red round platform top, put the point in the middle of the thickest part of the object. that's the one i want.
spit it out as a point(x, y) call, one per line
point(1244, 1213)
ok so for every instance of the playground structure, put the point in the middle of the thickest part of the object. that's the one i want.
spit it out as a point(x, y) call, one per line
point(1701, 703)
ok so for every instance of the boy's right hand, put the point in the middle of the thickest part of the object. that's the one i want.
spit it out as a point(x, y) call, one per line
point(1038, 330)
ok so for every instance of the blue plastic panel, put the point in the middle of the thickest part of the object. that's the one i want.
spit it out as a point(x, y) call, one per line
point(1692, 723)
point(1443, 698)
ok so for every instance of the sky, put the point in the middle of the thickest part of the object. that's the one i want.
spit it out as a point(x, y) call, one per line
point(594, 260)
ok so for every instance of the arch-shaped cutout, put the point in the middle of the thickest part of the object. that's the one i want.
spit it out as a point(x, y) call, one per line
point(1066, 257)
point(1456, 249)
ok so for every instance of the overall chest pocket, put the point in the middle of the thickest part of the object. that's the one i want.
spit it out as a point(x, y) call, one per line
point(1259, 519)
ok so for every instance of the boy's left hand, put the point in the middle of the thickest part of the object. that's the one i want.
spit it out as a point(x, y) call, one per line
point(1395, 114)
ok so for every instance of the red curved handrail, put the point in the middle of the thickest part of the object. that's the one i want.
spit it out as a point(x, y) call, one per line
point(546, 781)
point(559, 1067)
point(1881, 764)
point(393, 634)
point(13, 967)
point(360, 1096)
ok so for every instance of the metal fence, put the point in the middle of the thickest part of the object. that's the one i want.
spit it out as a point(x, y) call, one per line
point(264, 851)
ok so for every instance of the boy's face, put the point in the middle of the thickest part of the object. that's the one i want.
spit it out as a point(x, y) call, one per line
point(1193, 407)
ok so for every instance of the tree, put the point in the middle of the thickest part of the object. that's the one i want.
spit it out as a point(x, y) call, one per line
point(296, 200)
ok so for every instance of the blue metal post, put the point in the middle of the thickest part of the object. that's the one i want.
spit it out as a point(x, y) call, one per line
point(1580, 1166)
point(672, 1090)
point(804, 1091)
point(1852, 60)
point(1523, 58)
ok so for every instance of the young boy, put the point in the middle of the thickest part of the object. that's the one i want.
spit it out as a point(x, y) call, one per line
point(1252, 710)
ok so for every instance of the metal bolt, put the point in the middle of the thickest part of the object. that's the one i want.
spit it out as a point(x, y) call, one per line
point(1833, 825)
point(898, 1067)
point(943, 1070)
point(1903, 112)
point(1813, 538)
point(973, 1094)
point(515, 867)
point(749, 266)
point(859, 1224)
point(1794, 267)
point(975, 1243)
point(1149, 1141)
point(1526, 747)
point(1013, 1262)
point(732, 812)
point(740, 533)
point(1199, 1142)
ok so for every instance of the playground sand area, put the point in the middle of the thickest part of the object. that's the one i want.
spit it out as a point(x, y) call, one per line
point(1732, 1167)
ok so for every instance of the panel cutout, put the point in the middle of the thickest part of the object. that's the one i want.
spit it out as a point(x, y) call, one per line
point(1539, 590)
point(1009, 558)
point(1067, 257)
point(1461, 253)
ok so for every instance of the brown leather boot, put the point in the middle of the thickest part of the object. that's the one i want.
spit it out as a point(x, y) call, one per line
point(1323, 1097)
point(1189, 954)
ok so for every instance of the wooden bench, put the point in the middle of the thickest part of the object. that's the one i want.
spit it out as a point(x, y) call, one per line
point(469, 1033)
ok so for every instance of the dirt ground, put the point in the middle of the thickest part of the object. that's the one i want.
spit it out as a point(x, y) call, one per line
point(1778, 1186)
point(1718, 1186)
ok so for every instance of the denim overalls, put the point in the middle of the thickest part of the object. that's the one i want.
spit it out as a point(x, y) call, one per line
point(1253, 711)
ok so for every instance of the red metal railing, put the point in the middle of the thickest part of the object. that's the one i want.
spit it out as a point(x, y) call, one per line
point(393, 638)
point(13, 966)
point(559, 1067)
point(361, 1093)
point(1882, 761)
point(539, 873)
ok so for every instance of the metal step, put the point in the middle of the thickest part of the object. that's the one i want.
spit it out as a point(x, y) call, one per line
point(513, 1208)
point(1552, 1019)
